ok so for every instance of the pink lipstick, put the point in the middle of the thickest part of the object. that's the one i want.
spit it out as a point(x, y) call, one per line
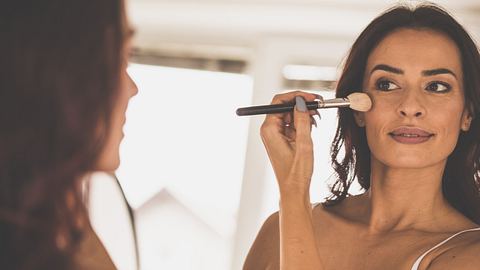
point(410, 135)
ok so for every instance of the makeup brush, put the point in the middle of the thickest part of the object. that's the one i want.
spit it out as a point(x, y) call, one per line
point(356, 101)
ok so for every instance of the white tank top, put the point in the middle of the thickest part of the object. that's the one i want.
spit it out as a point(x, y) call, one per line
point(419, 259)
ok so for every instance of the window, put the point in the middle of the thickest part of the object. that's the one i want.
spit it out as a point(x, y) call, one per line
point(182, 164)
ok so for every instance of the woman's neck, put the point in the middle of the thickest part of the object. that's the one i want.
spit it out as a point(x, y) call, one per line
point(402, 199)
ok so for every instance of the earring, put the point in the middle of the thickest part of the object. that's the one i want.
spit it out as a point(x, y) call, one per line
point(360, 123)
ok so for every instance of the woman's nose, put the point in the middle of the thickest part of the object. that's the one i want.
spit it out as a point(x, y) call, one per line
point(411, 104)
point(132, 86)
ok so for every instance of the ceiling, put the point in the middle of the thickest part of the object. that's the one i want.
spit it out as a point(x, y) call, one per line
point(188, 25)
point(468, 4)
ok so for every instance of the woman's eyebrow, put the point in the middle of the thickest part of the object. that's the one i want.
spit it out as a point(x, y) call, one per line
point(387, 68)
point(429, 72)
point(437, 71)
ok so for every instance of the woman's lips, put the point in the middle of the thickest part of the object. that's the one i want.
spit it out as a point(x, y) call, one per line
point(410, 135)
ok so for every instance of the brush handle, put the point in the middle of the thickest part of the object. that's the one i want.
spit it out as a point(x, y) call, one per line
point(276, 108)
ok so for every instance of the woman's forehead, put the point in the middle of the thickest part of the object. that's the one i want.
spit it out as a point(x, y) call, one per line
point(411, 49)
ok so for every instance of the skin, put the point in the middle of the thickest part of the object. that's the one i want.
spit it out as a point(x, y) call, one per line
point(110, 159)
point(404, 212)
point(92, 254)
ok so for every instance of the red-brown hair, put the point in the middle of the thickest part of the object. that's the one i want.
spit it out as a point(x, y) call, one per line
point(59, 73)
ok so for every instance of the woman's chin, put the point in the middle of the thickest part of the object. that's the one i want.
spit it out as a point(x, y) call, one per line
point(407, 160)
point(108, 165)
point(410, 163)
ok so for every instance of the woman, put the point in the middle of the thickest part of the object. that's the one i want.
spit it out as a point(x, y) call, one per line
point(64, 91)
point(416, 153)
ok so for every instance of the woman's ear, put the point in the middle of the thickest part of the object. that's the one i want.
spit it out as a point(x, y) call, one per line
point(359, 118)
point(466, 120)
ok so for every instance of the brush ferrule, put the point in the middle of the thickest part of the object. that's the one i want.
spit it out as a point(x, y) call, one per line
point(336, 102)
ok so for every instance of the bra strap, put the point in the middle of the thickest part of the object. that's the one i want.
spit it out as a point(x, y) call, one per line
point(419, 260)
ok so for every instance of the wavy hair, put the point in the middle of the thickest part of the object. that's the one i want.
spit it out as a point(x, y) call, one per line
point(59, 72)
point(461, 179)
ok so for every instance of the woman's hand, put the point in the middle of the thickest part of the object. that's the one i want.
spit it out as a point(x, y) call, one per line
point(290, 148)
point(289, 144)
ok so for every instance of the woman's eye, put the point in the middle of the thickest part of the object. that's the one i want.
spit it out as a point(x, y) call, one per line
point(385, 85)
point(439, 87)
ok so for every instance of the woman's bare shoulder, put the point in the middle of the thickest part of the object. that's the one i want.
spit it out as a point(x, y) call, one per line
point(91, 253)
point(265, 251)
point(463, 254)
point(344, 210)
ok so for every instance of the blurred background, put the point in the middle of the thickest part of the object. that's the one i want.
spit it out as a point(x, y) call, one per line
point(196, 176)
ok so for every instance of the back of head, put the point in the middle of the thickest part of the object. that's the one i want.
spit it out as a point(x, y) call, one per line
point(461, 176)
point(60, 66)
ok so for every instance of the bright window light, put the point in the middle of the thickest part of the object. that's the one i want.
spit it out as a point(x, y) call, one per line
point(183, 153)
point(309, 73)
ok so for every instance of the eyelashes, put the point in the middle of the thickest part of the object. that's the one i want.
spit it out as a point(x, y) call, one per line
point(440, 87)
point(387, 85)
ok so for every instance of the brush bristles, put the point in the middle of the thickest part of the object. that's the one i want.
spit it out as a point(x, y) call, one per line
point(360, 102)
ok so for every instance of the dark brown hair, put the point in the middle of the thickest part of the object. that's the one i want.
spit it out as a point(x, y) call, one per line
point(462, 173)
point(60, 64)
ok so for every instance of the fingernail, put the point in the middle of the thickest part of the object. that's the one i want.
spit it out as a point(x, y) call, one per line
point(300, 104)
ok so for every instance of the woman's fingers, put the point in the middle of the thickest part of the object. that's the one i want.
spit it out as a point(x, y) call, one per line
point(303, 123)
point(277, 127)
point(280, 128)
point(286, 98)
point(301, 170)
point(277, 124)
point(290, 96)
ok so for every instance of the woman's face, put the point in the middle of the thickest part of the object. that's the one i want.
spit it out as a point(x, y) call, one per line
point(414, 78)
point(110, 159)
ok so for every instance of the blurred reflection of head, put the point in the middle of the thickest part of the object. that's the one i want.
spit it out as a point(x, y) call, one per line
point(63, 95)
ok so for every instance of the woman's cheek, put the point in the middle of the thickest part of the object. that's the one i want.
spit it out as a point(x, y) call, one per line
point(380, 104)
